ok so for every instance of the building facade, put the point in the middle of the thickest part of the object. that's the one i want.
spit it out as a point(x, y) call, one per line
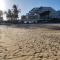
point(41, 13)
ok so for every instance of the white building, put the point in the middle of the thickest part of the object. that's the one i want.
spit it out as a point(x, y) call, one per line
point(41, 13)
point(35, 13)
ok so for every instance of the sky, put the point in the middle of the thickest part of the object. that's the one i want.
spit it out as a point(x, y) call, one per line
point(27, 5)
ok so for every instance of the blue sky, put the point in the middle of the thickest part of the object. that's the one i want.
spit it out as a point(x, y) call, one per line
point(27, 5)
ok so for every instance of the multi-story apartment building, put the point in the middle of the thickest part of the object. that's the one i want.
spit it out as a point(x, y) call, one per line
point(41, 13)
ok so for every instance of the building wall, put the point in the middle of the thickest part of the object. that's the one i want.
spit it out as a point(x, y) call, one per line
point(35, 13)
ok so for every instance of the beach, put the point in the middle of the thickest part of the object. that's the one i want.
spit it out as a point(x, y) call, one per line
point(30, 42)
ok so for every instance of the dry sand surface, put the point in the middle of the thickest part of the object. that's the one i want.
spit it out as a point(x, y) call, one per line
point(34, 43)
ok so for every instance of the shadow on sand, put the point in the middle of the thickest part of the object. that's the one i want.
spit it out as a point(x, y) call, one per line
point(35, 26)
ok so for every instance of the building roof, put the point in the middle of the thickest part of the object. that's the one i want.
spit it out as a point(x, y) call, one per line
point(40, 10)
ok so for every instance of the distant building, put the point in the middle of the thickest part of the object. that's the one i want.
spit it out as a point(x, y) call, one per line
point(23, 17)
point(42, 12)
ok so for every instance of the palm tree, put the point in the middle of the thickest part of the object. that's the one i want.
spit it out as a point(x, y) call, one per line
point(15, 12)
point(1, 14)
point(9, 14)
point(12, 14)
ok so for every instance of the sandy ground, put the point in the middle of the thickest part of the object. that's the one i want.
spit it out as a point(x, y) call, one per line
point(40, 42)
